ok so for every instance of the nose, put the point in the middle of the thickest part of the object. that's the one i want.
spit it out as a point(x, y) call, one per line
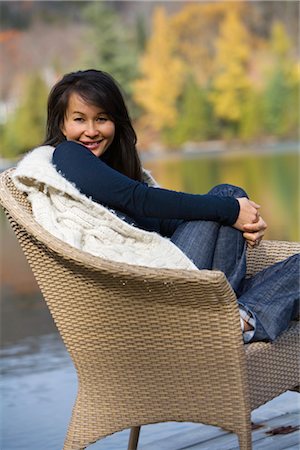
point(91, 130)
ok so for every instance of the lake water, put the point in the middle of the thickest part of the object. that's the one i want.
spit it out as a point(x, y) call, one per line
point(269, 176)
point(38, 382)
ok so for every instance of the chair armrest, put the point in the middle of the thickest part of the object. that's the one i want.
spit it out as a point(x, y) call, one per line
point(268, 253)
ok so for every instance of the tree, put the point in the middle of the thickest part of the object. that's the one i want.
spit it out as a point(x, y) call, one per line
point(160, 82)
point(281, 96)
point(195, 27)
point(25, 128)
point(251, 121)
point(194, 122)
point(113, 47)
point(231, 82)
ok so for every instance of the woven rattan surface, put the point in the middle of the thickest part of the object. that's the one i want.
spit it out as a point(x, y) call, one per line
point(151, 345)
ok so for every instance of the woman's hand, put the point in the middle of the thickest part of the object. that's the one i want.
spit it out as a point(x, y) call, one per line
point(248, 213)
point(250, 222)
point(253, 233)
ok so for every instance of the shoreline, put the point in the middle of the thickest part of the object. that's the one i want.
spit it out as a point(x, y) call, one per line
point(214, 149)
point(211, 149)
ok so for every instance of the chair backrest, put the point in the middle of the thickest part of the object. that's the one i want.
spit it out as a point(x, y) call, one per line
point(149, 345)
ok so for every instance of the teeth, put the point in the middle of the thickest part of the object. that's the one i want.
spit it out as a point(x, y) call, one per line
point(92, 144)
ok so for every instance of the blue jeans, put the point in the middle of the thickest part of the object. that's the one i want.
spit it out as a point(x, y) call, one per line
point(272, 295)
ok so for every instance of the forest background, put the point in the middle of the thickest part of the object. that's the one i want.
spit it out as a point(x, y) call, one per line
point(190, 71)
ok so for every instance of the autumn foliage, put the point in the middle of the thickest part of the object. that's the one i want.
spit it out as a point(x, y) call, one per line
point(215, 70)
point(205, 74)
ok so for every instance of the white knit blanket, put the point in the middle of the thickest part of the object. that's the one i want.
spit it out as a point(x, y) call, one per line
point(60, 208)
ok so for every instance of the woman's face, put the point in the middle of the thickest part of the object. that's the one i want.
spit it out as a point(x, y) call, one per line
point(88, 124)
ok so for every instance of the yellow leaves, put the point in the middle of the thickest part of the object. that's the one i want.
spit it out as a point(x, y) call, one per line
point(281, 56)
point(196, 26)
point(233, 40)
point(216, 45)
point(179, 45)
point(231, 80)
point(295, 73)
point(280, 42)
point(162, 75)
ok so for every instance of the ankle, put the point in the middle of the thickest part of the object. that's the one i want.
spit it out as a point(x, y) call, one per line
point(247, 326)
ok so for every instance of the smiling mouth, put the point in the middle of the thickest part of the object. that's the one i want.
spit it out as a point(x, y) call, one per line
point(92, 145)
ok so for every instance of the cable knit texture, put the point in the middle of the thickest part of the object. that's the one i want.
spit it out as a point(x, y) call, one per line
point(60, 208)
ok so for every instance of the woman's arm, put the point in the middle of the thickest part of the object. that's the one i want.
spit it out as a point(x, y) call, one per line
point(107, 186)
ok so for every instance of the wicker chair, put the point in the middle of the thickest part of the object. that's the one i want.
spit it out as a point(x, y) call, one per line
point(152, 345)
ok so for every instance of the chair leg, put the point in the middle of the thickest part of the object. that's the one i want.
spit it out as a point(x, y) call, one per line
point(245, 440)
point(134, 438)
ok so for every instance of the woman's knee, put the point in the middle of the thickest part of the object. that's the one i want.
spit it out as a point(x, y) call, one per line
point(292, 265)
point(228, 190)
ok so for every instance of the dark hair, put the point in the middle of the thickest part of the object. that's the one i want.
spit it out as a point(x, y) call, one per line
point(99, 89)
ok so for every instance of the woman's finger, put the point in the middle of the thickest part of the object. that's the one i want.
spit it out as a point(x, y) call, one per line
point(254, 204)
point(253, 237)
point(255, 227)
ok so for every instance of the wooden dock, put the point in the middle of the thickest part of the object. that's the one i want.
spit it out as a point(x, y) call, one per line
point(275, 427)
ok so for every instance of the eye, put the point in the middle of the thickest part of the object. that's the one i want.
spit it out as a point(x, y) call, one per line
point(102, 119)
point(78, 119)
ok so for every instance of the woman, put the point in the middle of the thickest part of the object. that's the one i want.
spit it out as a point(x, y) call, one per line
point(95, 148)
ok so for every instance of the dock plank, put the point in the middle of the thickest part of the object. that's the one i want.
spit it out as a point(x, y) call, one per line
point(284, 410)
point(213, 438)
point(185, 438)
point(260, 438)
point(203, 437)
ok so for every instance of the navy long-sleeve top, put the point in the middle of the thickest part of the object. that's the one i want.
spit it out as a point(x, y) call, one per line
point(149, 208)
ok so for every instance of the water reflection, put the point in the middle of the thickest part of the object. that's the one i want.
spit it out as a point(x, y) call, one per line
point(37, 392)
point(271, 179)
point(34, 355)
